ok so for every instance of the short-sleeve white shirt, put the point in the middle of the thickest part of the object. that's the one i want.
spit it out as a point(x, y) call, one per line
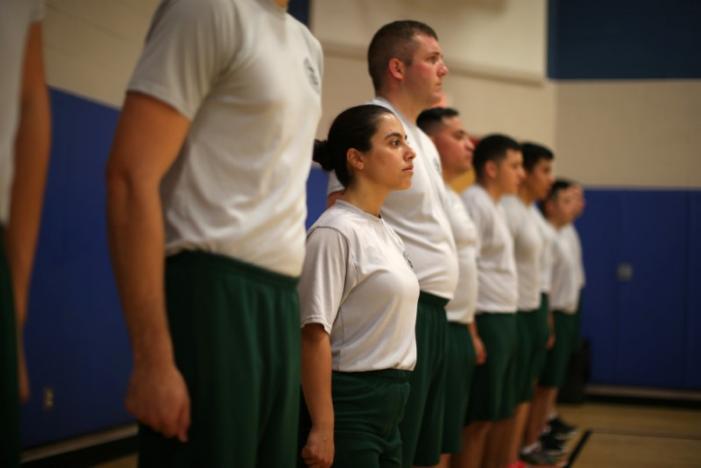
point(248, 76)
point(359, 285)
point(461, 309)
point(528, 250)
point(418, 214)
point(564, 295)
point(497, 289)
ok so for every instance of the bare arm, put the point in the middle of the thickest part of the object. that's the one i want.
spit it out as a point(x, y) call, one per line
point(147, 141)
point(316, 385)
point(480, 351)
point(27, 195)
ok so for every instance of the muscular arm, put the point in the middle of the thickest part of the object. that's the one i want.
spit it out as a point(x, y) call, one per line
point(316, 385)
point(27, 193)
point(147, 141)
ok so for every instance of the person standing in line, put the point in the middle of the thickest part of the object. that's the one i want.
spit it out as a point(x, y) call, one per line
point(498, 167)
point(558, 428)
point(532, 326)
point(358, 296)
point(208, 169)
point(25, 135)
point(464, 348)
point(559, 209)
point(406, 65)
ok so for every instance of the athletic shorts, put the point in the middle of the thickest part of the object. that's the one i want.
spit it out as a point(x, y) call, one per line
point(493, 394)
point(460, 366)
point(9, 385)
point(367, 409)
point(422, 426)
point(236, 335)
point(559, 356)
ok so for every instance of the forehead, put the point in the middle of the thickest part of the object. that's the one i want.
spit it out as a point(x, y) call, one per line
point(453, 123)
point(513, 156)
point(426, 44)
point(388, 123)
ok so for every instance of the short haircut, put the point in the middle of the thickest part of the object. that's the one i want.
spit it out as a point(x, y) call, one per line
point(534, 153)
point(430, 119)
point(394, 40)
point(558, 186)
point(492, 148)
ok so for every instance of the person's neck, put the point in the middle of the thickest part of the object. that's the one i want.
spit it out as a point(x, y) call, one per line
point(557, 223)
point(492, 189)
point(449, 177)
point(526, 195)
point(282, 3)
point(367, 197)
point(403, 103)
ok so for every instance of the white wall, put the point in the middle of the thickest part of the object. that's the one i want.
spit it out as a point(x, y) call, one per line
point(91, 46)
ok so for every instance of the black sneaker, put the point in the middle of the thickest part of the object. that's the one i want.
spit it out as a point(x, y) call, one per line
point(561, 429)
point(538, 457)
point(552, 445)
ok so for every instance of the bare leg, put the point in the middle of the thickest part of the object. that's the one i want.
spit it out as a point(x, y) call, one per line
point(543, 399)
point(520, 420)
point(496, 452)
point(474, 440)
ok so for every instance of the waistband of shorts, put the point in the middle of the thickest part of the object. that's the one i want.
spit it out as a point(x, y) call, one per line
point(383, 374)
point(432, 300)
point(226, 264)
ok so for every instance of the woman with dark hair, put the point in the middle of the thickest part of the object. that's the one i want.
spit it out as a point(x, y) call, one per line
point(358, 297)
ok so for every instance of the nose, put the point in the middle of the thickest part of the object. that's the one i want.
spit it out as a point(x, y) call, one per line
point(409, 154)
point(442, 69)
point(469, 145)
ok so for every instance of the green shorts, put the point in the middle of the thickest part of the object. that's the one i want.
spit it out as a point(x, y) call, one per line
point(493, 393)
point(532, 341)
point(367, 409)
point(559, 356)
point(236, 336)
point(9, 386)
point(541, 337)
point(460, 366)
point(422, 426)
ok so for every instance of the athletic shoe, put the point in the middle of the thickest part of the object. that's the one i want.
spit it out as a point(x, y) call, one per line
point(551, 444)
point(561, 429)
point(538, 458)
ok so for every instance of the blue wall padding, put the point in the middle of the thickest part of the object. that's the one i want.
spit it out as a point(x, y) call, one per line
point(624, 39)
point(75, 337)
point(316, 194)
point(646, 331)
point(693, 305)
point(600, 232)
point(651, 325)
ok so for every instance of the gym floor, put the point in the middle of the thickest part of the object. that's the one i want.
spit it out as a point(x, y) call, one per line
point(619, 435)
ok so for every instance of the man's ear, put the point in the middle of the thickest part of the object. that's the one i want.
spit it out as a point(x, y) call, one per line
point(396, 68)
point(491, 169)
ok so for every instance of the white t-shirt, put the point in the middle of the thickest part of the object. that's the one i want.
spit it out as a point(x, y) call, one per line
point(248, 76)
point(462, 308)
point(548, 234)
point(358, 283)
point(572, 237)
point(497, 286)
point(528, 250)
point(564, 295)
point(418, 214)
point(16, 16)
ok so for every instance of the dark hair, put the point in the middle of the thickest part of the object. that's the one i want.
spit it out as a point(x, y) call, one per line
point(430, 119)
point(533, 153)
point(492, 148)
point(352, 128)
point(394, 40)
point(558, 186)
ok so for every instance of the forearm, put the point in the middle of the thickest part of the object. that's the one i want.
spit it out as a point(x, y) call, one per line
point(136, 238)
point(316, 375)
point(27, 193)
point(473, 329)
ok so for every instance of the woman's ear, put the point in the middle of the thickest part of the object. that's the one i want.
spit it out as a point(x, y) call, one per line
point(355, 160)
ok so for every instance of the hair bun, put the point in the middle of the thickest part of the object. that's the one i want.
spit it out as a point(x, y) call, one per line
point(322, 155)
